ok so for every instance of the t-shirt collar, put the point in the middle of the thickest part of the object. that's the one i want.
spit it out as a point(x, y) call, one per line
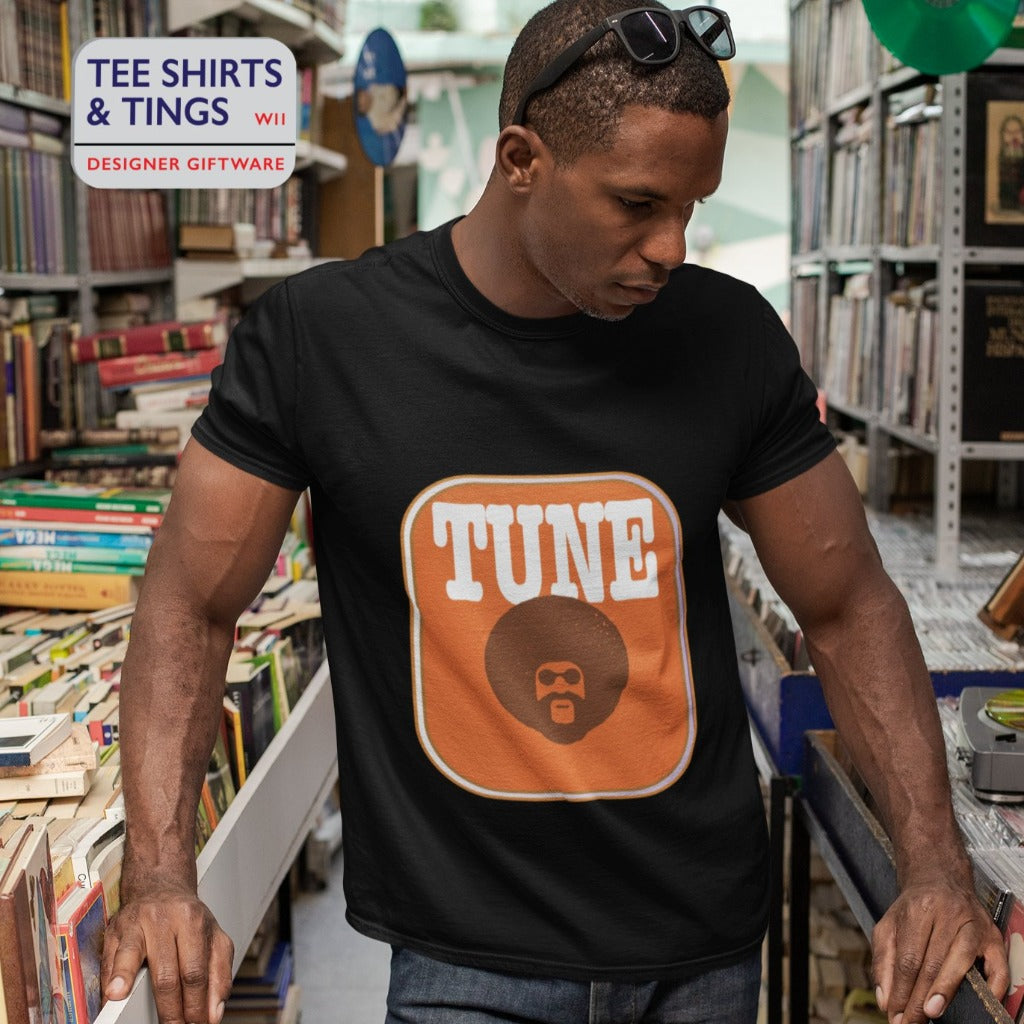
point(478, 305)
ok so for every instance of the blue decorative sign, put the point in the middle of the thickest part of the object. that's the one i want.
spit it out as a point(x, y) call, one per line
point(380, 100)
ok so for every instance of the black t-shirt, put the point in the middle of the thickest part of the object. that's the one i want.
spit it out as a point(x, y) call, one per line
point(544, 754)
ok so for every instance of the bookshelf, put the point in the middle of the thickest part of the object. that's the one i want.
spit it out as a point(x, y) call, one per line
point(314, 32)
point(260, 836)
point(36, 84)
point(886, 256)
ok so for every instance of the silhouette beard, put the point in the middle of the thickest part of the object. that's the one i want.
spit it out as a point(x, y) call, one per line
point(558, 665)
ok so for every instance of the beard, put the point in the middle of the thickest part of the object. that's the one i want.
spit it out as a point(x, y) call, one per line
point(586, 307)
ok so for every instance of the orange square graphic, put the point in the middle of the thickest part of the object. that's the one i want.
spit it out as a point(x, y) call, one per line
point(548, 633)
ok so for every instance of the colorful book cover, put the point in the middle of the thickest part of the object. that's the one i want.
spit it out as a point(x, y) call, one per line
point(24, 556)
point(219, 781)
point(148, 339)
point(71, 591)
point(126, 370)
point(58, 535)
point(22, 492)
point(28, 912)
point(1013, 938)
point(65, 563)
point(85, 516)
point(81, 921)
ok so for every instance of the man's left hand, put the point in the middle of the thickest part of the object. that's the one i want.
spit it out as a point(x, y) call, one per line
point(924, 945)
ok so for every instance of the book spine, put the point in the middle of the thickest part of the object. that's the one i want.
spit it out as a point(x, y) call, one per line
point(147, 339)
point(99, 452)
point(58, 537)
point(16, 954)
point(70, 559)
point(45, 787)
point(75, 1011)
point(70, 591)
point(100, 437)
point(106, 502)
point(128, 370)
point(25, 513)
point(241, 695)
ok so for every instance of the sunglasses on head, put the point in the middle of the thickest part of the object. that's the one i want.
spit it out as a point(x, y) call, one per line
point(651, 35)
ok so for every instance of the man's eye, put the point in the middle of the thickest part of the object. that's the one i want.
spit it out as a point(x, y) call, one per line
point(633, 204)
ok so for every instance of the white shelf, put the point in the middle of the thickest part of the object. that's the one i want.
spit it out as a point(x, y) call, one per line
point(260, 836)
point(910, 254)
point(36, 100)
point(196, 278)
point(327, 162)
point(127, 278)
point(857, 412)
point(39, 282)
point(926, 442)
point(293, 26)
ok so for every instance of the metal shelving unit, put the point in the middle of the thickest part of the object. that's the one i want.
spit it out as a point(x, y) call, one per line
point(951, 260)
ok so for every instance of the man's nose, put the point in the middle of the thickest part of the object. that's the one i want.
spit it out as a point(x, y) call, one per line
point(665, 246)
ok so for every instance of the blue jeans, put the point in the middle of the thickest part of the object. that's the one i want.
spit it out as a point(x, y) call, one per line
point(426, 991)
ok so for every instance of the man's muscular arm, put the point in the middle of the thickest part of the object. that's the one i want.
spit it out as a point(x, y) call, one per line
point(812, 538)
point(211, 555)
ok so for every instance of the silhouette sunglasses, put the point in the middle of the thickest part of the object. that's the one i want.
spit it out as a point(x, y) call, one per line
point(651, 35)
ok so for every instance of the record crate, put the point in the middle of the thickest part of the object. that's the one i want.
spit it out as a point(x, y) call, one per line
point(785, 703)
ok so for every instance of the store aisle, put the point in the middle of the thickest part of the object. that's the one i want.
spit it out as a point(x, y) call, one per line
point(344, 976)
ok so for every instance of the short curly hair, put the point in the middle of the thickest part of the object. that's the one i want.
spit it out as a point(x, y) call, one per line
point(582, 110)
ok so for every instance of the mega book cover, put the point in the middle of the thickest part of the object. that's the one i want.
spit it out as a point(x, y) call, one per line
point(33, 493)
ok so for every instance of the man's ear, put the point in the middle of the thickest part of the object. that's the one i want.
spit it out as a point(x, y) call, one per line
point(519, 155)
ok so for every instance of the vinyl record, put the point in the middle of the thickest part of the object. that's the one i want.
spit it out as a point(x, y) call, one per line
point(941, 37)
point(1007, 708)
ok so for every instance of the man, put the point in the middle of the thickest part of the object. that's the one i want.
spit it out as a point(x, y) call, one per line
point(519, 431)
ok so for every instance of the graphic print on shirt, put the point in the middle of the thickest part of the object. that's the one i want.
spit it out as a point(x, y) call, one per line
point(548, 634)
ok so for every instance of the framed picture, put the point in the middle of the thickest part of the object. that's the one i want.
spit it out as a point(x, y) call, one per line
point(993, 360)
point(994, 196)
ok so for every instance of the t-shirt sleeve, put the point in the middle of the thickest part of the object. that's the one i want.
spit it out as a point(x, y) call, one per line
point(787, 436)
point(251, 417)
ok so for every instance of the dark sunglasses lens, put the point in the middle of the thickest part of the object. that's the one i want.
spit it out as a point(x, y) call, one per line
point(712, 31)
point(650, 35)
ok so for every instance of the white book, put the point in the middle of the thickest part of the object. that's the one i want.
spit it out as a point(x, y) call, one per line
point(170, 399)
point(180, 418)
point(104, 833)
point(45, 787)
point(29, 738)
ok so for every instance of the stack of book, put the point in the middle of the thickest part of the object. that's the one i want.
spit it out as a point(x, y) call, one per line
point(50, 956)
point(60, 790)
point(34, 337)
point(128, 229)
point(30, 961)
point(36, 193)
point(264, 991)
point(112, 456)
point(158, 374)
point(76, 547)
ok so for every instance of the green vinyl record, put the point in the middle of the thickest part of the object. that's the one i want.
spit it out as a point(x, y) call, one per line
point(941, 37)
point(1007, 708)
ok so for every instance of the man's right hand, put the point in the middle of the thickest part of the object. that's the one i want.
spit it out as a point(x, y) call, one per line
point(189, 956)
